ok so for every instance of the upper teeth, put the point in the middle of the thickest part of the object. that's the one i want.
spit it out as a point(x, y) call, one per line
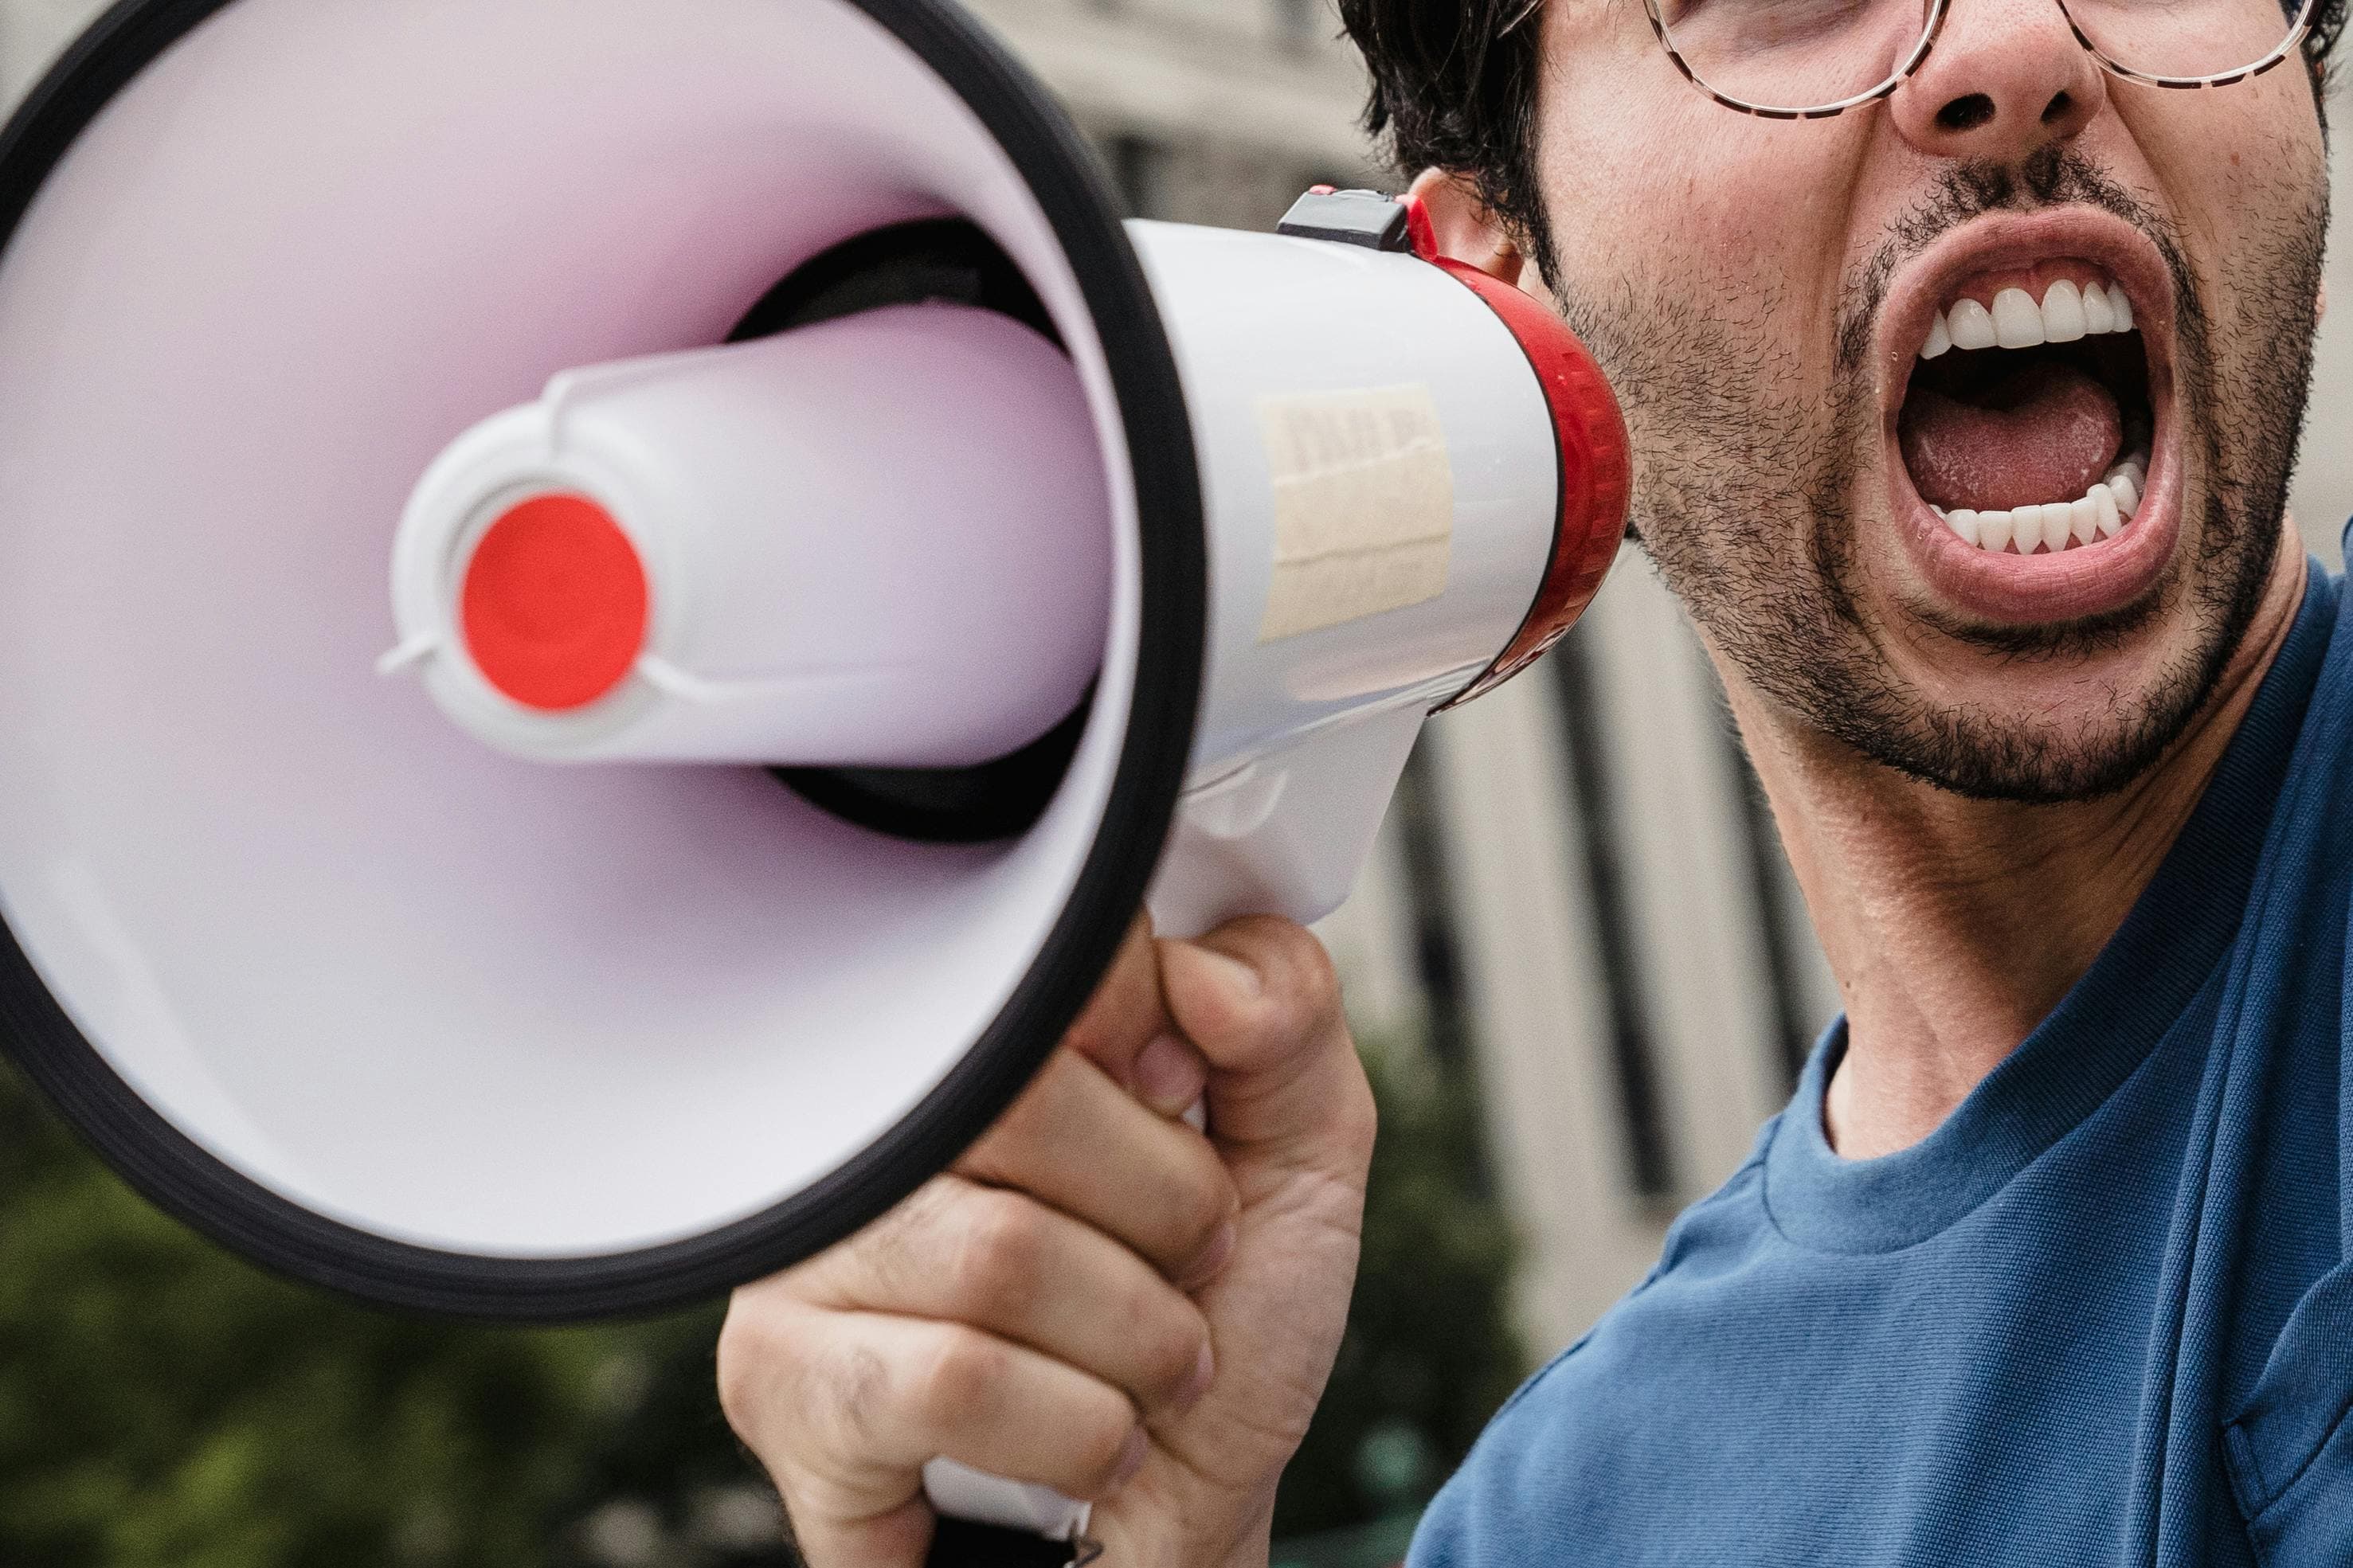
point(2016, 321)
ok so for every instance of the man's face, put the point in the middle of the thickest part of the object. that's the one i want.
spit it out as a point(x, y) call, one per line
point(1760, 292)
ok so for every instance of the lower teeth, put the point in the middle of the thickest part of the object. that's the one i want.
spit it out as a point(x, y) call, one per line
point(2101, 512)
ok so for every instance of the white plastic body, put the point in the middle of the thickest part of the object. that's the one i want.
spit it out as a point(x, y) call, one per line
point(877, 542)
point(958, 1489)
point(1302, 738)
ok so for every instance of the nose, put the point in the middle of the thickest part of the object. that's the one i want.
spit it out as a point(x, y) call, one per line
point(2004, 79)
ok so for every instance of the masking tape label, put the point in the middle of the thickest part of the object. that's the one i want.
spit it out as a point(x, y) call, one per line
point(1363, 505)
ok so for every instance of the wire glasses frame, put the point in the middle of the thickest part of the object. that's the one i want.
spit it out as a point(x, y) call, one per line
point(2287, 46)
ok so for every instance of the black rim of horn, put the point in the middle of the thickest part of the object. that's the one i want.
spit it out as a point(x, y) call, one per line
point(180, 1177)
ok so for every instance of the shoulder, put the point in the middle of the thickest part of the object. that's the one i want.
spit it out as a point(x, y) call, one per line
point(1567, 1471)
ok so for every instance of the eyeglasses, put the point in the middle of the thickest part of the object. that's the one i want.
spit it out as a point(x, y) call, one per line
point(1809, 59)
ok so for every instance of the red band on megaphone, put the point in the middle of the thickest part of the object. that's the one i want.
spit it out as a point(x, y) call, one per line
point(1596, 463)
point(554, 603)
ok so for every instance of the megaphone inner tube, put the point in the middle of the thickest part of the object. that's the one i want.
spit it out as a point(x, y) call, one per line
point(931, 259)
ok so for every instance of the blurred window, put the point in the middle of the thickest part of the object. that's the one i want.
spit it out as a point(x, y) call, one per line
point(1139, 169)
point(1594, 808)
point(1767, 871)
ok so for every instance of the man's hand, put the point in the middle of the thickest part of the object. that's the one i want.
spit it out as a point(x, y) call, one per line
point(1096, 1297)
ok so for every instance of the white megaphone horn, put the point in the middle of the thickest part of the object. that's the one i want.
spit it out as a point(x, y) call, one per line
point(838, 570)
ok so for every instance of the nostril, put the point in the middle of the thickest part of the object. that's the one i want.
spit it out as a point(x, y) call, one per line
point(2058, 108)
point(1966, 113)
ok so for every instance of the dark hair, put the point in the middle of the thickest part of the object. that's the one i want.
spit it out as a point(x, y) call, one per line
point(1454, 88)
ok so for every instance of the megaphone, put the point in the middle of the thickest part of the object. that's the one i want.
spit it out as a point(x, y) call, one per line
point(611, 608)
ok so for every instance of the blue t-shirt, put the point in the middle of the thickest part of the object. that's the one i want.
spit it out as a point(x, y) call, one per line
point(2102, 1315)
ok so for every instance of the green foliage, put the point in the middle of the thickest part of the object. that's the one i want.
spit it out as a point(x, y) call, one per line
point(163, 1405)
point(1429, 1351)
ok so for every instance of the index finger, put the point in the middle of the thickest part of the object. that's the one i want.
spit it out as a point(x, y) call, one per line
point(1126, 1012)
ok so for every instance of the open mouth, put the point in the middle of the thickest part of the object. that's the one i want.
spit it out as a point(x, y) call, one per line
point(2027, 426)
point(2029, 409)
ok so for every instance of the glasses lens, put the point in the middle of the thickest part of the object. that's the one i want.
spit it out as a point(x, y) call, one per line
point(1796, 55)
point(2186, 40)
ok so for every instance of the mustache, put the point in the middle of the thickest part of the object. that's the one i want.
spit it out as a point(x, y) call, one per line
point(2052, 177)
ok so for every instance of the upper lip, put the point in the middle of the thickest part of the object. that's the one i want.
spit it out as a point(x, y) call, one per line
point(1926, 283)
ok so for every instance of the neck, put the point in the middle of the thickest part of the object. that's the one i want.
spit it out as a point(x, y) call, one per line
point(1954, 926)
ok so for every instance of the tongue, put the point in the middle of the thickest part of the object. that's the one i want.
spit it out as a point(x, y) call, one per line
point(2047, 433)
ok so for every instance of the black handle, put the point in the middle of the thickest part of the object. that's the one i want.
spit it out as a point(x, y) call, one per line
point(961, 1543)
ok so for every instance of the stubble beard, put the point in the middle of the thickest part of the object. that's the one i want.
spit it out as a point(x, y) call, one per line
point(1747, 509)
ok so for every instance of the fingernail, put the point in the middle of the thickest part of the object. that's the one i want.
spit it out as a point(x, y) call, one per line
point(1213, 1261)
point(1204, 1372)
point(1169, 1075)
point(1131, 1457)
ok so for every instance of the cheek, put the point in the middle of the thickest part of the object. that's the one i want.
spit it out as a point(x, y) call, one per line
point(1728, 215)
point(2246, 174)
point(1646, 178)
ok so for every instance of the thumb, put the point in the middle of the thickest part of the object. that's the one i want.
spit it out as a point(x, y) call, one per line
point(1260, 999)
point(1125, 1029)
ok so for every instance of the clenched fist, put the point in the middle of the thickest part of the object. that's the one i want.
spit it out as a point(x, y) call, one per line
point(1097, 1297)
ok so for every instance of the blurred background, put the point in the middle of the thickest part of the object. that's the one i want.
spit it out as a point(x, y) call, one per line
point(1577, 964)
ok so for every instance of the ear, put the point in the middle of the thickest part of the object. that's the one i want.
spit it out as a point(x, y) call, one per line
point(1467, 228)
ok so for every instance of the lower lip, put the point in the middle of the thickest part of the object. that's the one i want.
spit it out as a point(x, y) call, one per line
point(2009, 589)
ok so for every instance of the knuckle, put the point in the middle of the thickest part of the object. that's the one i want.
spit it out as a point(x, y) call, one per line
point(739, 1390)
point(783, 1384)
point(1126, 1001)
point(1100, 1438)
point(751, 1357)
point(1027, 1126)
point(1301, 979)
point(1001, 1255)
point(1299, 988)
point(881, 1265)
point(1033, 1102)
point(962, 1373)
point(1172, 1344)
point(1198, 1207)
point(832, 1415)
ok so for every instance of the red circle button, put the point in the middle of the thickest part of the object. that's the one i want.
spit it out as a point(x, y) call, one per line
point(554, 603)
